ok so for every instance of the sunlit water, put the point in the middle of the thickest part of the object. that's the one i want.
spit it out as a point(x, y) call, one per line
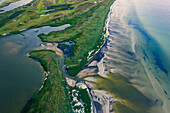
point(138, 47)
point(14, 5)
point(2, 0)
point(20, 76)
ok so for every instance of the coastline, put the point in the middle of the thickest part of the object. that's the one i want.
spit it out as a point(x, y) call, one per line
point(90, 77)
point(54, 89)
point(139, 78)
point(90, 70)
point(107, 99)
point(106, 31)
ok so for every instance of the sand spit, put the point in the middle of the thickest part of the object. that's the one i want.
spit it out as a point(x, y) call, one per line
point(46, 77)
point(103, 101)
point(89, 71)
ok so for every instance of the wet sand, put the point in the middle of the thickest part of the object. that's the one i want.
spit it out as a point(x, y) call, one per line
point(122, 54)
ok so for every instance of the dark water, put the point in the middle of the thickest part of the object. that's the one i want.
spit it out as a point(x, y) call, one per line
point(20, 76)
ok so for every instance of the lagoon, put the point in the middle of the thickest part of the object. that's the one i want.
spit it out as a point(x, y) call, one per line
point(20, 75)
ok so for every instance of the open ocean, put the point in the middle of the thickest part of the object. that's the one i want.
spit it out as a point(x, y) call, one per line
point(138, 47)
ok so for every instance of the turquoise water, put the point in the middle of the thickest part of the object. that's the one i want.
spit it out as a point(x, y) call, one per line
point(155, 19)
point(138, 47)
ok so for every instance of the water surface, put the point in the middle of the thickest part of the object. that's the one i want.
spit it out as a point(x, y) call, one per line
point(14, 5)
point(138, 48)
point(20, 75)
point(2, 0)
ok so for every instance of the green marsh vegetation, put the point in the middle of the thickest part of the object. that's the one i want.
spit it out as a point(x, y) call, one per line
point(35, 14)
point(86, 32)
point(60, 1)
point(87, 22)
point(129, 99)
point(86, 17)
point(53, 97)
point(83, 96)
point(40, 5)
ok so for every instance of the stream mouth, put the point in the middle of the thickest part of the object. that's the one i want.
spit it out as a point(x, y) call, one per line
point(20, 75)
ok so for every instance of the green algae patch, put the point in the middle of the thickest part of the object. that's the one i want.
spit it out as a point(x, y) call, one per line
point(53, 97)
point(129, 99)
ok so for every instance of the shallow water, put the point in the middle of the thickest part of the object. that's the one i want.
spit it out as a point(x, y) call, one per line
point(20, 75)
point(138, 48)
point(2, 0)
point(14, 5)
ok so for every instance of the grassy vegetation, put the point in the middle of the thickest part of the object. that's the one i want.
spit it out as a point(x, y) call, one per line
point(6, 18)
point(85, 16)
point(83, 96)
point(130, 100)
point(40, 5)
point(53, 97)
point(87, 20)
point(86, 32)
point(60, 1)
point(58, 11)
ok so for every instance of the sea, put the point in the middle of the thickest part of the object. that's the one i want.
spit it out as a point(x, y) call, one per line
point(138, 47)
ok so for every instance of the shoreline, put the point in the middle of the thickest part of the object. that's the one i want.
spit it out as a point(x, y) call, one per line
point(49, 47)
point(103, 95)
point(102, 73)
point(94, 66)
point(104, 27)
point(68, 79)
